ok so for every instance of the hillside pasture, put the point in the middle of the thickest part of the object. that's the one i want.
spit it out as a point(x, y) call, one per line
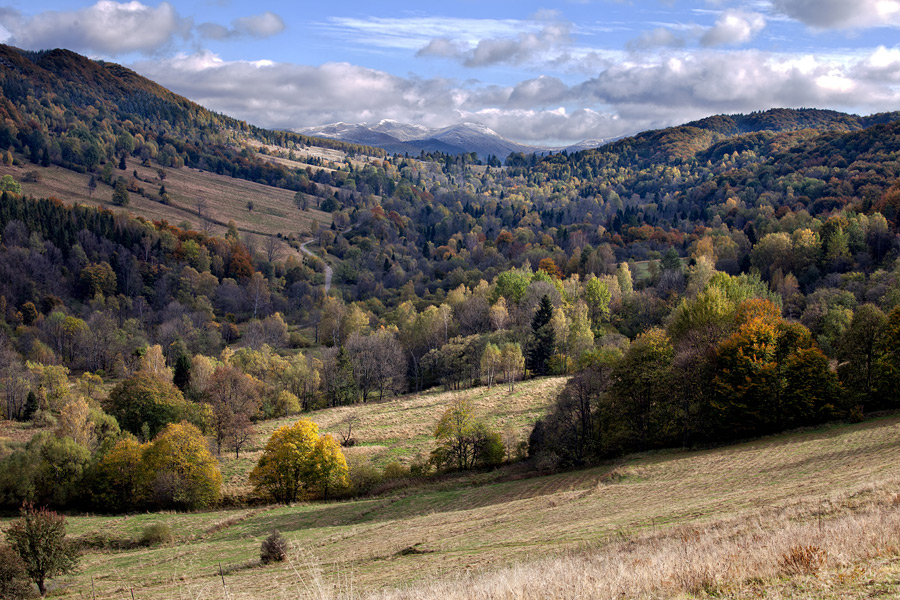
point(648, 525)
point(402, 429)
point(226, 198)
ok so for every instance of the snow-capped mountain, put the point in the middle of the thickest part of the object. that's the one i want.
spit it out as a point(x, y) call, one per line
point(396, 137)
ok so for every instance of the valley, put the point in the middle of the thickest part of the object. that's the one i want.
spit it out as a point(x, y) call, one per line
point(440, 363)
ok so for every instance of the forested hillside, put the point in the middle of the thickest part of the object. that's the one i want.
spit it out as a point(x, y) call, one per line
point(748, 261)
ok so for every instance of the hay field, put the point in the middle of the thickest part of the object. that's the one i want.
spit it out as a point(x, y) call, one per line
point(721, 522)
point(402, 429)
point(274, 210)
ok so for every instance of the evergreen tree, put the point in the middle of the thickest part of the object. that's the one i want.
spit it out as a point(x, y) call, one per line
point(181, 376)
point(543, 340)
point(120, 194)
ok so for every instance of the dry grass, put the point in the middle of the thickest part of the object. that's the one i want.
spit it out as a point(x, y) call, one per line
point(822, 548)
point(274, 210)
point(719, 522)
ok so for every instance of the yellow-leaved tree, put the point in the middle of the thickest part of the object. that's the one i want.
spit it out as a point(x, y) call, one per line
point(297, 461)
point(184, 474)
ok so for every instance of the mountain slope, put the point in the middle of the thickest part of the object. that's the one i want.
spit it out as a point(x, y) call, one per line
point(62, 108)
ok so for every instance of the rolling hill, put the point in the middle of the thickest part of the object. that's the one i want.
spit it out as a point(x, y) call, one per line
point(729, 522)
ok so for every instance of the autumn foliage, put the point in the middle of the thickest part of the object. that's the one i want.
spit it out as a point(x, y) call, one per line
point(298, 462)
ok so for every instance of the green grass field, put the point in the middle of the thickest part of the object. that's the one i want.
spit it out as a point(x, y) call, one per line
point(468, 532)
point(401, 429)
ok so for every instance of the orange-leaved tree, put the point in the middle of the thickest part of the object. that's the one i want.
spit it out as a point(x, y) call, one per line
point(770, 375)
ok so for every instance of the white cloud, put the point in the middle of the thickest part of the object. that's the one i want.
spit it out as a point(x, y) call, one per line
point(661, 37)
point(519, 49)
point(108, 27)
point(414, 33)
point(841, 14)
point(629, 94)
point(262, 25)
point(474, 42)
point(733, 28)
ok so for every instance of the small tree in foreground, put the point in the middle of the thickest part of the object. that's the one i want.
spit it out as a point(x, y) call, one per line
point(39, 538)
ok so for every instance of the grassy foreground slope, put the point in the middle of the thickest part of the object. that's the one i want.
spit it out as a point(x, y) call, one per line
point(727, 521)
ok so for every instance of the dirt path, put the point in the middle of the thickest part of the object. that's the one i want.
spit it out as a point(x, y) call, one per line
point(328, 270)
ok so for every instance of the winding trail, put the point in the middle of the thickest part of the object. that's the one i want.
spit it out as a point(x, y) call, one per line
point(328, 270)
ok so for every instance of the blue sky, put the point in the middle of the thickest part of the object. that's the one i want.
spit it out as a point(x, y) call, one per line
point(535, 72)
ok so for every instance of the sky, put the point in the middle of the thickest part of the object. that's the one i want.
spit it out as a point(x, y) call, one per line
point(536, 72)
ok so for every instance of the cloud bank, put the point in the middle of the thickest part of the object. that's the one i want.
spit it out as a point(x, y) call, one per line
point(841, 14)
point(625, 97)
point(108, 28)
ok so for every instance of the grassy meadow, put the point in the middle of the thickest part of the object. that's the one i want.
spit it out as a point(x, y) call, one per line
point(274, 210)
point(402, 429)
point(811, 514)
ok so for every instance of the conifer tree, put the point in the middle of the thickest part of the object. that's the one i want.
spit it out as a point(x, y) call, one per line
point(543, 339)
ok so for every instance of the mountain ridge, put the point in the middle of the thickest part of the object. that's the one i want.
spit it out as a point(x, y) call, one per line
point(461, 138)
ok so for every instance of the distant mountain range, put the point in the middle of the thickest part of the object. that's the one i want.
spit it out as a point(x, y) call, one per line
point(400, 138)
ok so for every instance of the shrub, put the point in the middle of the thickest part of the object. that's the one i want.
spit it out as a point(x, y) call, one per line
point(14, 581)
point(144, 399)
point(803, 560)
point(364, 476)
point(156, 533)
point(298, 461)
point(286, 404)
point(273, 548)
point(184, 475)
point(394, 470)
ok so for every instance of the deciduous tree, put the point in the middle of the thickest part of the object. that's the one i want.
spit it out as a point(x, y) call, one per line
point(39, 538)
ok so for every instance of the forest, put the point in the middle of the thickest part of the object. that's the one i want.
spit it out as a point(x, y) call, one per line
point(747, 262)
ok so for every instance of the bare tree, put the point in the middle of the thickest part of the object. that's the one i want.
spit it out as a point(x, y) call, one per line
point(378, 363)
point(347, 439)
point(234, 399)
point(203, 212)
point(257, 293)
point(273, 248)
point(251, 243)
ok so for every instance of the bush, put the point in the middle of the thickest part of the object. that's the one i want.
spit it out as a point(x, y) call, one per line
point(364, 476)
point(273, 548)
point(183, 473)
point(394, 470)
point(298, 461)
point(286, 404)
point(143, 399)
point(14, 581)
point(155, 534)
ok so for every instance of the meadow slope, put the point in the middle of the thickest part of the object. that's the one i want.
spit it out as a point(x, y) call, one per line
point(716, 521)
point(273, 211)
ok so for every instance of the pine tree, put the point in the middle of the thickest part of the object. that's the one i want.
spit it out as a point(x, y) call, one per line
point(543, 340)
